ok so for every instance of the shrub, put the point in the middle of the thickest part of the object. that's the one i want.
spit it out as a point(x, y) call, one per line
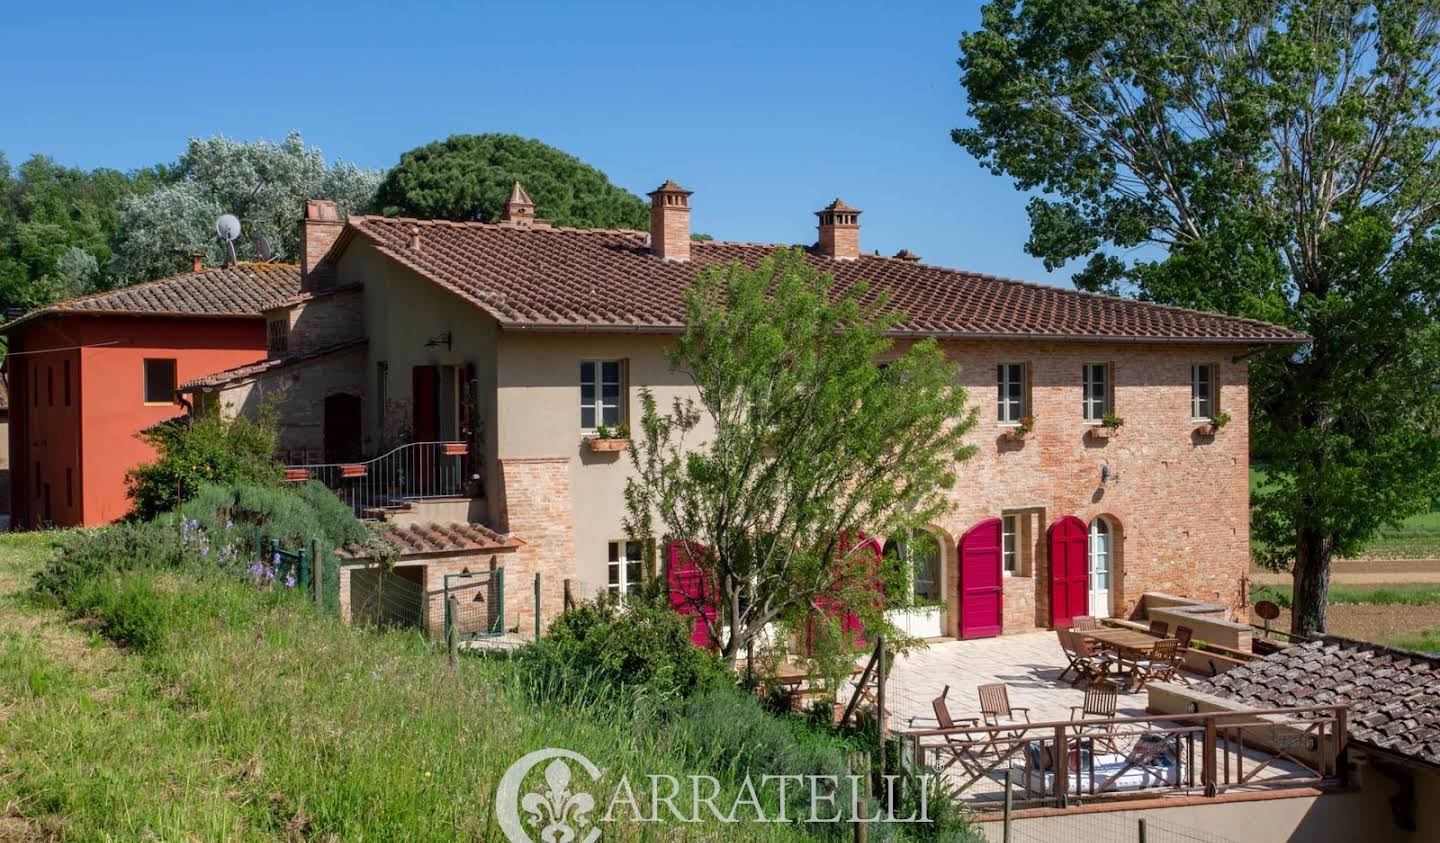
point(131, 611)
point(642, 648)
point(82, 557)
point(199, 450)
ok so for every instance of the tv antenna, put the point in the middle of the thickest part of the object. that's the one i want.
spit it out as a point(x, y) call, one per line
point(228, 227)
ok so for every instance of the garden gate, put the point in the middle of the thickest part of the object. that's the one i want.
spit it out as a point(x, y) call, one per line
point(478, 608)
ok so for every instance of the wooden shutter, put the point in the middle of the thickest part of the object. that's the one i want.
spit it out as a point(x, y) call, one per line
point(425, 403)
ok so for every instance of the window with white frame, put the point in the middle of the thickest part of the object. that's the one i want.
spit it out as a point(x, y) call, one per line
point(627, 565)
point(1096, 395)
point(1010, 543)
point(1202, 391)
point(601, 389)
point(1010, 393)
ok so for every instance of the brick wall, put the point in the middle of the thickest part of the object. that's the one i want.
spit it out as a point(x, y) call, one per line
point(1178, 502)
point(535, 504)
point(326, 320)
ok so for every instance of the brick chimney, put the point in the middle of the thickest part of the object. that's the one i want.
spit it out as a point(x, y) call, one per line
point(197, 261)
point(321, 227)
point(839, 231)
point(519, 208)
point(670, 222)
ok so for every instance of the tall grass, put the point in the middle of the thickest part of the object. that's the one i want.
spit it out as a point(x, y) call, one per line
point(1417, 594)
point(231, 712)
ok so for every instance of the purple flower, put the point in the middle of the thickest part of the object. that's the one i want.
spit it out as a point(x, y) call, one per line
point(290, 581)
point(256, 570)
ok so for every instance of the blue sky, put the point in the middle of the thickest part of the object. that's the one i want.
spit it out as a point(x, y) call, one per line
point(766, 110)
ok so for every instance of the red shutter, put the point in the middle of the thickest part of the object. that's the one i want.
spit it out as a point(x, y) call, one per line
point(1069, 571)
point(425, 403)
point(982, 592)
point(863, 560)
point(691, 592)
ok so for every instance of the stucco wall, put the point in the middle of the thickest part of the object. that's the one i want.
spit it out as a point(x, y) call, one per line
point(107, 403)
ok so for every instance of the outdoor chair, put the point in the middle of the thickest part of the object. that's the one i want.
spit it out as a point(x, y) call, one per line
point(963, 748)
point(1159, 628)
point(996, 709)
point(1090, 661)
point(1184, 635)
point(1067, 648)
point(1101, 701)
point(1083, 622)
point(1162, 663)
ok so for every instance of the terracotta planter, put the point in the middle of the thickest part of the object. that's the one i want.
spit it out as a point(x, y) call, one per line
point(296, 475)
point(1102, 432)
point(606, 446)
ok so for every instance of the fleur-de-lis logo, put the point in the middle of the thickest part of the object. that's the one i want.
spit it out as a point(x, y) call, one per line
point(553, 811)
point(557, 813)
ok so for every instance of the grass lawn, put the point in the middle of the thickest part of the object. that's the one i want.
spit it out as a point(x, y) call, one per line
point(251, 715)
point(1418, 537)
point(1420, 594)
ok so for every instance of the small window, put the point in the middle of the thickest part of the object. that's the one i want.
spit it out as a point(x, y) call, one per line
point(627, 565)
point(601, 388)
point(278, 335)
point(1011, 393)
point(1202, 391)
point(67, 383)
point(1010, 543)
point(1097, 391)
point(160, 381)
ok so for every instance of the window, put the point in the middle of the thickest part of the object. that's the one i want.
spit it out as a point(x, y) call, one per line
point(1010, 383)
point(277, 336)
point(1010, 544)
point(67, 383)
point(1202, 391)
point(382, 393)
point(1097, 391)
point(1099, 555)
point(600, 390)
point(627, 565)
point(160, 381)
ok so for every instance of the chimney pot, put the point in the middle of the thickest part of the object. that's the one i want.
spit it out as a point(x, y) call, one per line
point(414, 232)
point(839, 231)
point(907, 256)
point(197, 261)
point(320, 229)
point(670, 222)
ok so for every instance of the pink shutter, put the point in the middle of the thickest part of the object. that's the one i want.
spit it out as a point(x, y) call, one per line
point(982, 591)
point(691, 592)
point(1069, 571)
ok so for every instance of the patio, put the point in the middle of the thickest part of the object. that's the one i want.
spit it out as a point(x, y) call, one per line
point(1029, 664)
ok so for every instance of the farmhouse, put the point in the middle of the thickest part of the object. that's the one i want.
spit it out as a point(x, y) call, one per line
point(86, 375)
point(460, 372)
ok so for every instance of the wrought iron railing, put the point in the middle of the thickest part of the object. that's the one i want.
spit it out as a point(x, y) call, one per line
point(1056, 764)
point(410, 472)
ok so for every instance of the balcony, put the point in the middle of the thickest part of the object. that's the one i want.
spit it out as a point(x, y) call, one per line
point(392, 481)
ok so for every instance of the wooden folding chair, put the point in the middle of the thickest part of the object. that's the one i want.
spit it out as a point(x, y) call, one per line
point(996, 709)
point(1160, 663)
point(960, 748)
point(1184, 635)
point(1101, 702)
point(1067, 648)
point(1084, 622)
point(1090, 661)
point(1160, 628)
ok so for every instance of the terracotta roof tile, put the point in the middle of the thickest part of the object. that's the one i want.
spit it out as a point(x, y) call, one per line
point(418, 539)
point(1394, 695)
point(607, 280)
point(240, 290)
point(250, 370)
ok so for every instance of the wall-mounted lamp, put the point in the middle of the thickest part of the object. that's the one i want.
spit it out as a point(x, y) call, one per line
point(1106, 475)
point(439, 340)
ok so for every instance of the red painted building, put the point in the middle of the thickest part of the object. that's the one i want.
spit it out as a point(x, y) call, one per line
point(87, 375)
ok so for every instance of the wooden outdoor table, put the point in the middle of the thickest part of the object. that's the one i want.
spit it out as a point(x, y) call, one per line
point(1127, 642)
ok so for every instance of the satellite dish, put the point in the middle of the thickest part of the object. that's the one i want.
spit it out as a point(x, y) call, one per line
point(228, 227)
point(262, 248)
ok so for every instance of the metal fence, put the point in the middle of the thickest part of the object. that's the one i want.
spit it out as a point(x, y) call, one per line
point(415, 471)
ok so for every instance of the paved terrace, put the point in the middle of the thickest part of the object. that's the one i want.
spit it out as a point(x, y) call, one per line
point(1029, 664)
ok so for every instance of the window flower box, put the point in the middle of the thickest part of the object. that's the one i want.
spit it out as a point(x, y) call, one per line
point(1019, 431)
point(607, 445)
point(1212, 426)
point(918, 621)
point(1100, 431)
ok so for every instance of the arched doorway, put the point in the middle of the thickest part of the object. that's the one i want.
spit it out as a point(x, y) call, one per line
point(1100, 567)
point(342, 427)
point(1069, 576)
point(921, 555)
point(982, 592)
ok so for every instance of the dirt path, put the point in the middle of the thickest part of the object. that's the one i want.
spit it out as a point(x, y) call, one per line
point(1364, 572)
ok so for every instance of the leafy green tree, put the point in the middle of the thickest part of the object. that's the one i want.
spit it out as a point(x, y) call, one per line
point(799, 439)
point(1269, 159)
point(467, 177)
point(57, 225)
point(263, 184)
point(200, 451)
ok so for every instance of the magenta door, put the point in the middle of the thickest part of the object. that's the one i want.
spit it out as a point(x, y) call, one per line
point(982, 593)
point(1069, 573)
point(691, 592)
